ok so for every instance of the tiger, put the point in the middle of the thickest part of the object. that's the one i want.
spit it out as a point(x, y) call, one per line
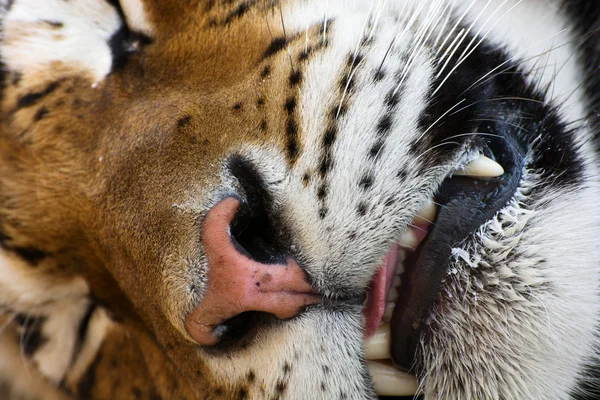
point(299, 199)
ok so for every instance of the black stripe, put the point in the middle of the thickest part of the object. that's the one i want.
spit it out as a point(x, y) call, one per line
point(82, 331)
point(29, 99)
point(88, 380)
point(492, 107)
point(31, 255)
point(586, 23)
point(239, 11)
point(586, 16)
point(31, 338)
point(336, 111)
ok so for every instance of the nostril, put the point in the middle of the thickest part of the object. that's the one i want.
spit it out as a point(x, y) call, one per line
point(238, 284)
point(254, 229)
point(253, 236)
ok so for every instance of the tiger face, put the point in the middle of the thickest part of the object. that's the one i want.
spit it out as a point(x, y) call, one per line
point(299, 199)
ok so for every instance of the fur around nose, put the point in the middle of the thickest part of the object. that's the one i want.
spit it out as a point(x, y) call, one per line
point(236, 283)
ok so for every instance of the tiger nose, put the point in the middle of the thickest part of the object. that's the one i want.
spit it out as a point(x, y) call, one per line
point(236, 283)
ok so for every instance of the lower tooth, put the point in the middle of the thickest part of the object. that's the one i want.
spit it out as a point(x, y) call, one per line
point(389, 310)
point(389, 381)
point(392, 294)
point(377, 346)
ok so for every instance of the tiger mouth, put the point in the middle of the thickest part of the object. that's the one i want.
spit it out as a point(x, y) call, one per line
point(406, 286)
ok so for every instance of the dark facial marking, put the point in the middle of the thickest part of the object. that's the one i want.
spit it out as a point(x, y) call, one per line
point(31, 98)
point(183, 121)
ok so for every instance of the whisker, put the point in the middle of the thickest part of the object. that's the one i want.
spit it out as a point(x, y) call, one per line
point(474, 48)
point(439, 119)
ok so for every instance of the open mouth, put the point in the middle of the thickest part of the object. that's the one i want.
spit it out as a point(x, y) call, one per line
point(405, 287)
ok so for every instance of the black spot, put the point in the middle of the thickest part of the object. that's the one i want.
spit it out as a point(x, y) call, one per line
point(392, 99)
point(286, 368)
point(361, 210)
point(184, 121)
point(338, 111)
point(40, 113)
point(390, 201)
point(291, 130)
point(237, 106)
point(251, 375)
point(305, 179)
point(280, 387)
point(54, 24)
point(367, 181)
point(378, 75)
point(238, 12)
point(330, 136)
point(322, 192)
point(323, 212)
point(276, 45)
point(260, 101)
point(346, 82)
point(242, 394)
point(384, 125)
point(266, 71)
point(303, 56)
point(375, 149)
point(325, 166)
point(263, 125)
point(402, 174)
point(323, 387)
point(31, 98)
point(290, 104)
point(352, 236)
point(295, 78)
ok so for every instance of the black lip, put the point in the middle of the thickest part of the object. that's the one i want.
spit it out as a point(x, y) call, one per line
point(464, 205)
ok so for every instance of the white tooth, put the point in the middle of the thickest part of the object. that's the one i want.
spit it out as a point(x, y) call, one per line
point(401, 255)
point(396, 281)
point(389, 381)
point(389, 310)
point(377, 346)
point(399, 269)
point(408, 239)
point(426, 214)
point(392, 294)
point(481, 167)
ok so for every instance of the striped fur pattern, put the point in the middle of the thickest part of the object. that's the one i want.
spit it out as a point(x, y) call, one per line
point(119, 124)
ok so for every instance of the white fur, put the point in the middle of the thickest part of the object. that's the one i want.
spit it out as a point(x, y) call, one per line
point(30, 45)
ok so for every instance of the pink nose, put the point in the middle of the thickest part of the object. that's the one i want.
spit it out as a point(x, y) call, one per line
point(236, 283)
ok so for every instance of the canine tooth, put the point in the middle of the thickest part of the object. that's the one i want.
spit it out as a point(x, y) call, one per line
point(426, 214)
point(481, 167)
point(389, 310)
point(389, 381)
point(377, 346)
point(408, 239)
